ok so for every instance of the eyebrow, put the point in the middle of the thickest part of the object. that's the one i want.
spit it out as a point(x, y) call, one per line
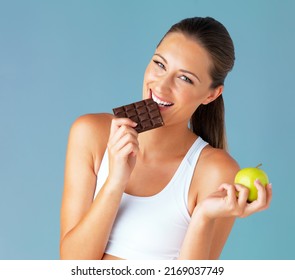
point(182, 70)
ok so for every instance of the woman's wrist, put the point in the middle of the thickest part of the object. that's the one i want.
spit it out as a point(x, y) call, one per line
point(200, 217)
point(114, 186)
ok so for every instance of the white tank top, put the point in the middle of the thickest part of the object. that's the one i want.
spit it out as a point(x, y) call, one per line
point(153, 227)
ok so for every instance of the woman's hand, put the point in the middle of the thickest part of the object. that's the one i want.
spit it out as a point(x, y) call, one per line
point(122, 150)
point(225, 202)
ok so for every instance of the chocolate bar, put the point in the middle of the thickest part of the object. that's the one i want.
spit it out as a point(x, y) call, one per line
point(145, 113)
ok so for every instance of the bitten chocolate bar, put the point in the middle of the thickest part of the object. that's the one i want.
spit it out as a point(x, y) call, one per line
point(145, 113)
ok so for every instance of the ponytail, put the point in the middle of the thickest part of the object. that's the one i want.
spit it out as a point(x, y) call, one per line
point(208, 123)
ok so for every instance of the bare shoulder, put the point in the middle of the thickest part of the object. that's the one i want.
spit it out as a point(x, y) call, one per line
point(92, 123)
point(218, 161)
point(215, 167)
point(90, 134)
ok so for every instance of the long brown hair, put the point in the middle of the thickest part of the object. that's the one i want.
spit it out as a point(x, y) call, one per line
point(208, 120)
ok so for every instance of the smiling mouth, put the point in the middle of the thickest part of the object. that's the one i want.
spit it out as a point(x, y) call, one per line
point(161, 103)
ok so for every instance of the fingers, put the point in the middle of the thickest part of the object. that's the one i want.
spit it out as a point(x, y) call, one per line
point(123, 138)
point(237, 199)
point(118, 122)
point(261, 193)
point(239, 196)
point(121, 132)
point(243, 194)
point(127, 144)
point(232, 201)
point(269, 195)
point(264, 196)
point(230, 191)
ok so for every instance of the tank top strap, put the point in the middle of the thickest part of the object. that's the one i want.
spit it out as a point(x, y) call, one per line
point(195, 151)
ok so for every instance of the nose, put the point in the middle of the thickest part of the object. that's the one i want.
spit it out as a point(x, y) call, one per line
point(164, 84)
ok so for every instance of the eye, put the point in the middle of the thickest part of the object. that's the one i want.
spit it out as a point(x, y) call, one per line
point(186, 79)
point(161, 65)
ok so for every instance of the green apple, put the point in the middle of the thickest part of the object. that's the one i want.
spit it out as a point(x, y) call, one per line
point(247, 177)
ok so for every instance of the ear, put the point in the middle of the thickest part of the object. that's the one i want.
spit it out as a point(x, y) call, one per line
point(214, 93)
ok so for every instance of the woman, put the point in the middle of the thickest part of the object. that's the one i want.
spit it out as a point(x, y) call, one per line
point(167, 193)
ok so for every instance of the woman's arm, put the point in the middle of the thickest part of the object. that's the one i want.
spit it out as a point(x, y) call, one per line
point(205, 237)
point(86, 224)
point(218, 206)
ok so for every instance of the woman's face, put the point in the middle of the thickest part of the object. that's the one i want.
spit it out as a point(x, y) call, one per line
point(178, 79)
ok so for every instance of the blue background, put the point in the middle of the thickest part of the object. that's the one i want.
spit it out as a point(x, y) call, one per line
point(62, 59)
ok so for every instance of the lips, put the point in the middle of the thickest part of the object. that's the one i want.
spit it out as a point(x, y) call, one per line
point(161, 102)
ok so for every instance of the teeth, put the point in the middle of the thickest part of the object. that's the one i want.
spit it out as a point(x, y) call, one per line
point(160, 102)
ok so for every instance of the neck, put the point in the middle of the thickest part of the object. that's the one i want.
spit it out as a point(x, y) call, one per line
point(166, 140)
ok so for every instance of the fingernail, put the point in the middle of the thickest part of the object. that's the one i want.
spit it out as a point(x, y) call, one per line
point(135, 124)
point(270, 185)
